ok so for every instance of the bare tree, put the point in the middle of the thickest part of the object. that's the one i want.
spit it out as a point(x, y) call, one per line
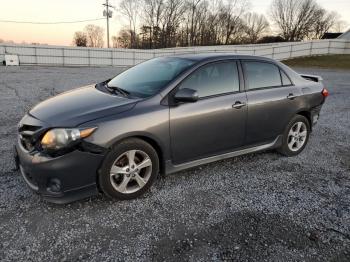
point(339, 26)
point(115, 43)
point(193, 17)
point(130, 9)
point(122, 39)
point(94, 35)
point(170, 22)
point(294, 18)
point(80, 39)
point(231, 15)
point(212, 22)
point(152, 14)
point(161, 21)
point(300, 19)
point(324, 22)
point(211, 29)
point(255, 25)
point(199, 18)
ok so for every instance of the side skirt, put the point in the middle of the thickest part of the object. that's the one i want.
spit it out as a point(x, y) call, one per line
point(170, 168)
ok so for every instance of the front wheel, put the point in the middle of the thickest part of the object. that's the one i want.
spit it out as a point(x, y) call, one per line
point(129, 169)
point(295, 136)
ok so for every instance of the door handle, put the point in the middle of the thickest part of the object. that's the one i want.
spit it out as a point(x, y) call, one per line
point(238, 105)
point(291, 96)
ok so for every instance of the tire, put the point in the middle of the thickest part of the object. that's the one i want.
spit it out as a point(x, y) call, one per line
point(122, 176)
point(295, 136)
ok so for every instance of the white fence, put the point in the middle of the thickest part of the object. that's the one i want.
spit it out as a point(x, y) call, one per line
point(82, 56)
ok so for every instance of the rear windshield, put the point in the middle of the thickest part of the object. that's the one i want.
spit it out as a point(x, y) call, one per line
point(149, 78)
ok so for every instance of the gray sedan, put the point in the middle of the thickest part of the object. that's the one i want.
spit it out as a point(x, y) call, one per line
point(163, 116)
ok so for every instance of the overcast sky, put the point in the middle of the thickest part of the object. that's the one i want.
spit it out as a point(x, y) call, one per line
point(72, 10)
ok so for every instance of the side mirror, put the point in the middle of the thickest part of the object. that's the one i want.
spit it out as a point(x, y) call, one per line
point(186, 95)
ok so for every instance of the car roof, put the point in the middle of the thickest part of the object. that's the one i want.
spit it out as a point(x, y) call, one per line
point(218, 56)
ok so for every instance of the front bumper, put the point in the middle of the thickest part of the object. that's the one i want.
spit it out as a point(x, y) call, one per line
point(60, 179)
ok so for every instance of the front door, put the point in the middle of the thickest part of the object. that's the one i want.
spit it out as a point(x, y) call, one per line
point(216, 122)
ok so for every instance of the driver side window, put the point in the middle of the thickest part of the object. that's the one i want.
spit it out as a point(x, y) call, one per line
point(214, 79)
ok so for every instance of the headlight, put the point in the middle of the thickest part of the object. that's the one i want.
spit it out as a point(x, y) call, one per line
point(59, 138)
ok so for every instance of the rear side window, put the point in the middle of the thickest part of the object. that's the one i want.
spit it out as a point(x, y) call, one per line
point(214, 79)
point(261, 74)
point(285, 79)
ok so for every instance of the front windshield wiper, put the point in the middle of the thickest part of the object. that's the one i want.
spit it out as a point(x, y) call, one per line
point(119, 90)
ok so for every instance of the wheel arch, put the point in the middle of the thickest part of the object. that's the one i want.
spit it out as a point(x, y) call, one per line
point(150, 139)
point(307, 114)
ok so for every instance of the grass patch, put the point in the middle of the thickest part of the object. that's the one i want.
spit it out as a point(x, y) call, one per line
point(324, 61)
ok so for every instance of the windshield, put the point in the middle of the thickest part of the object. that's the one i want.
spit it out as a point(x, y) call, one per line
point(148, 78)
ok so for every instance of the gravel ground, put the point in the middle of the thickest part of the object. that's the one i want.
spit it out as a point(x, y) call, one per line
point(250, 208)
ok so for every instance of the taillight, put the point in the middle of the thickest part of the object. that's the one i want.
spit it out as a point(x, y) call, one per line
point(325, 92)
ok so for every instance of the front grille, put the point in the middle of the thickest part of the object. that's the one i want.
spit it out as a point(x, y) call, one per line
point(28, 136)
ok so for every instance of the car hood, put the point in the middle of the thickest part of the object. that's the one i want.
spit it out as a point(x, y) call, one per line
point(80, 105)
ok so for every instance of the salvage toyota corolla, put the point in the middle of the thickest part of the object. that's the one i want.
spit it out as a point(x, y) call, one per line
point(163, 116)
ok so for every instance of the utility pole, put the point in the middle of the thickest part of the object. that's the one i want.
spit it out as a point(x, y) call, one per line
point(108, 14)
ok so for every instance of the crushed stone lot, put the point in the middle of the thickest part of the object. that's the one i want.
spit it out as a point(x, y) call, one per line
point(258, 207)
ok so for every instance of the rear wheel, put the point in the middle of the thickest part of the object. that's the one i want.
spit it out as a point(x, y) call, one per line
point(295, 136)
point(129, 169)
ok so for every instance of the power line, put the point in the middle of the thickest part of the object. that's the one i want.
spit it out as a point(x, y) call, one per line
point(49, 23)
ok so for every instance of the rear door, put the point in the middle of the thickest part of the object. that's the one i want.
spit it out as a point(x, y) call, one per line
point(272, 100)
point(216, 122)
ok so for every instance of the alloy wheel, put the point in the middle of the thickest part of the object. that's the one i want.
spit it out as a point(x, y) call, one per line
point(131, 171)
point(297, 136)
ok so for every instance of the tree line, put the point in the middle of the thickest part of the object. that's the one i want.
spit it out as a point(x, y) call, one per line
point(171, 23)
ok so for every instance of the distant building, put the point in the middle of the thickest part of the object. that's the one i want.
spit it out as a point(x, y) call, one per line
point(331, 35)
point(346, 35)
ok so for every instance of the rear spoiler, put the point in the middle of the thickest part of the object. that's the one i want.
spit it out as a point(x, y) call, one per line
point(313, 78)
